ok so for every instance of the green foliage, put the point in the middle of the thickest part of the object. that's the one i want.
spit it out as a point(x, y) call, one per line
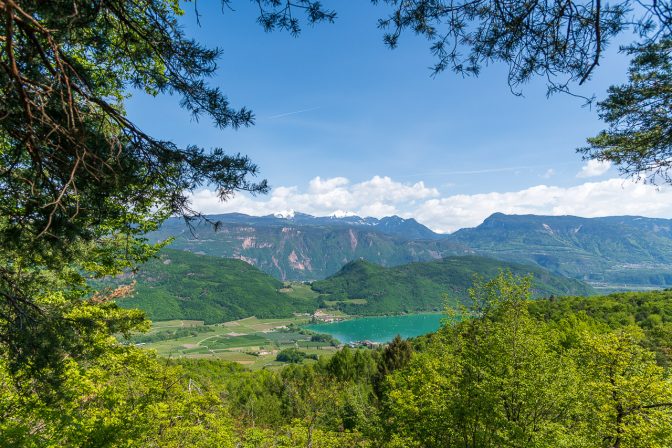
point(170, 334)
point(331, 398)
point(80, 186)
point(66, 328)
point(292, 356)
point(505, 379)
point(395, 356)
point(514, 374)
point(496, 380)
point(121, 397)
point(629, 397)
point(638, 116)
point(651, 311)
point(297, 434)
point(356, 365)
point(318, 337)
point(511, 372)
point(181, 285)
point(559, 41)
point(424, 286)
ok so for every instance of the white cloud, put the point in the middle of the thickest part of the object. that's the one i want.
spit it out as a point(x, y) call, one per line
point(591, 199)
point(379, 196)
point(383, 196)
point(385, 189)
point(594, 168)
point(317, 185)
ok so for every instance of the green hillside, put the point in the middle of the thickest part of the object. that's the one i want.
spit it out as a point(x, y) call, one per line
point(365, 288)
point(619, 252)
point(182, 285)
point(651, 311)
point(609, 253)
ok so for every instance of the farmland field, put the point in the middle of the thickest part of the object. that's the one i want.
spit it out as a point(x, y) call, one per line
point(251, 342)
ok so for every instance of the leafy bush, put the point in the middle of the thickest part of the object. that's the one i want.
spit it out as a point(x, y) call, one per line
point(291, 355)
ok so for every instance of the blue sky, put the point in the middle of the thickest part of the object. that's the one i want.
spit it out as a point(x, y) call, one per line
point(335, 105)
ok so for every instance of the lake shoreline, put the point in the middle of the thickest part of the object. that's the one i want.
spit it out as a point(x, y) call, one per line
point(380, 329)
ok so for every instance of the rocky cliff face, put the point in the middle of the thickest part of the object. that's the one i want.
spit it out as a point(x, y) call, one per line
point(611, 252)
point(303, 248)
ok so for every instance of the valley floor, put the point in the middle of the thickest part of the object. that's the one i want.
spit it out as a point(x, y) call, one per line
point(251, 342)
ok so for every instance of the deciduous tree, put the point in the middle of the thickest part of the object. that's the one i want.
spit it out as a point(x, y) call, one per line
point(80, 183)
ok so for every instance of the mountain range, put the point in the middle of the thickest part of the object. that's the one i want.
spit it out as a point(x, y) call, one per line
point(183, 285)
point(302, 247)
point(623, 252)
point(618, 251)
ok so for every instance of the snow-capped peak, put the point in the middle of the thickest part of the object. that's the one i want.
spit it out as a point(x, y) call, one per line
point(286, 214)
point(342, 214)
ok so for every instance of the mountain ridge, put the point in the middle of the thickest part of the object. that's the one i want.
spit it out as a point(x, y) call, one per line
point(613, 252)
point(608, 250)
point(407, 228)
point(308, 248)
point(183, 285)
point(361, 287)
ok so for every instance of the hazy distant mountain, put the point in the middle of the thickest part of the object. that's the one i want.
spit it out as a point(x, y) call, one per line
point(303, 247)
point(619, 250)
point(407, 229)
point(612, 252)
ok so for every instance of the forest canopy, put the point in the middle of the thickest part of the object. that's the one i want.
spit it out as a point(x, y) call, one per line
point(81, 184)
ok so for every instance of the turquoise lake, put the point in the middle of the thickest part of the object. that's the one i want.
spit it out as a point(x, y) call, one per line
point(380, 329)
